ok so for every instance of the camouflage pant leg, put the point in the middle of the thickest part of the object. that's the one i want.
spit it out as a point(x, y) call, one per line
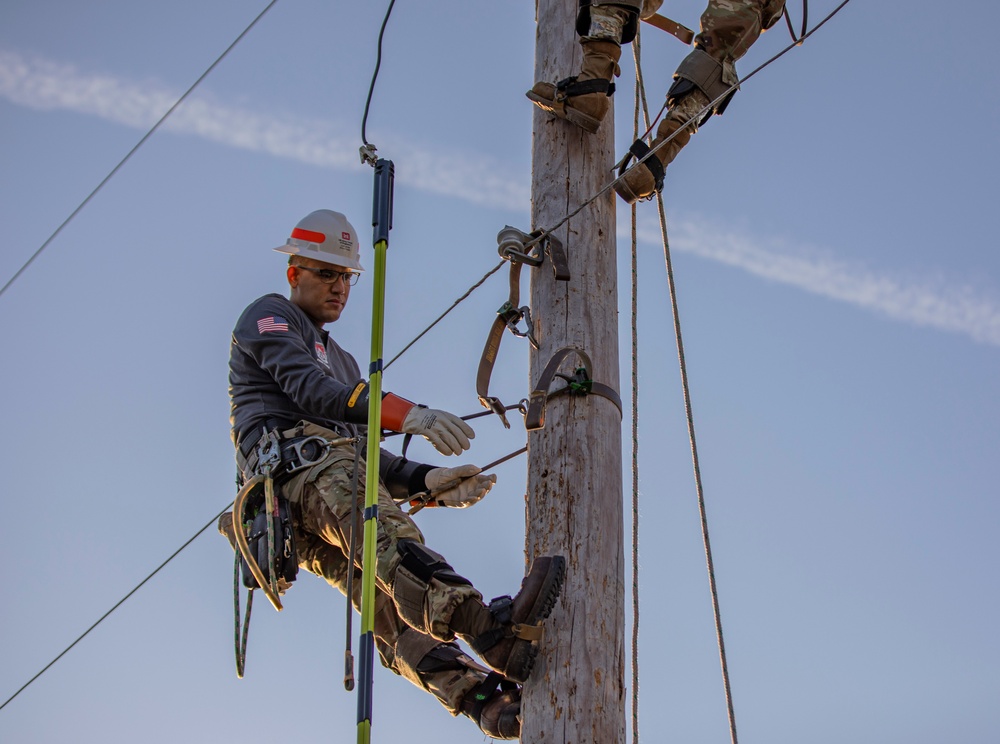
point(730, 27)
point(685, 109)
point(328, 562)
point(448, 686)
point(321, 503)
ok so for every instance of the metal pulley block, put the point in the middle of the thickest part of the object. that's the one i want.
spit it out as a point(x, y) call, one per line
point(510, 246)
point(531, 248)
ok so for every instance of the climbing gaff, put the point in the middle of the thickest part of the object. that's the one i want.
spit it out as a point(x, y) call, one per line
point(239, 505)
point(381, 223)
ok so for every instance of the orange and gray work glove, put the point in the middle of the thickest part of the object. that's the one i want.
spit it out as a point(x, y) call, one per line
point(446, 431)
point(457, 487)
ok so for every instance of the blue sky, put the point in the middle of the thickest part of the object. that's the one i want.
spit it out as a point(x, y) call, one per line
point(839, 285)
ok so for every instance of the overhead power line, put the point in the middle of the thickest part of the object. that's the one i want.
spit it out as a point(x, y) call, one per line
point(132, 152)
point(417, 338)
point(118, 604)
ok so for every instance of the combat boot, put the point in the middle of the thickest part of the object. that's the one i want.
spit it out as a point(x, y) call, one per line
point(644, 179)
point(495, 706)
point(584, 99)
point(505, 634)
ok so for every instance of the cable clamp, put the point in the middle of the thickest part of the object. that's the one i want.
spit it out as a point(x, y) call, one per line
point(368, 156)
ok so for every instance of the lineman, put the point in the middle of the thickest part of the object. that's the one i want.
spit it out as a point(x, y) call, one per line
point(728, 29)
point(288, 374)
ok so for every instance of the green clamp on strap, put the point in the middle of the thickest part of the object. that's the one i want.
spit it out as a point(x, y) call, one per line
point(579, 384)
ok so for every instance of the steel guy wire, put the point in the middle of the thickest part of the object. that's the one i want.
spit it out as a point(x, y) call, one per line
point(441, 317)
point(118, 604)
point(132, 152)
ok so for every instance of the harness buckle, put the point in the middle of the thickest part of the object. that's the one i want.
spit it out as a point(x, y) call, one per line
point(496, 406)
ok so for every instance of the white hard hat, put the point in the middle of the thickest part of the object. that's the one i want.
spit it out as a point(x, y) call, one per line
point(327, 236)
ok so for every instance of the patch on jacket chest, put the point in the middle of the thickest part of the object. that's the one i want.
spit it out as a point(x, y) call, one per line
point(321, 355)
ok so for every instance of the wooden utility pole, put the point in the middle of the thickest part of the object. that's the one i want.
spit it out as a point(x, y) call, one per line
point(576, 693)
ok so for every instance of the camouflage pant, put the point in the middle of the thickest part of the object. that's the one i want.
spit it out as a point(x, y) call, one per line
point(730, 27)
point(321, 511)
point(400, 647)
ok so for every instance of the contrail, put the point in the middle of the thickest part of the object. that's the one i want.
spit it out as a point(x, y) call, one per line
point(921, 302)
point(42, 84)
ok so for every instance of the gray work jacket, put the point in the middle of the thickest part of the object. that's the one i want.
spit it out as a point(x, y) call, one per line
point(283, 369)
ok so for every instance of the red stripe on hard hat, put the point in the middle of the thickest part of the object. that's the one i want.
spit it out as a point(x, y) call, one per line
point(312, 237)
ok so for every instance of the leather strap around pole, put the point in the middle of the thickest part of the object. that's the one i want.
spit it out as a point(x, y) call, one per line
point(492, 347)
point(675, 29)
point(535, 417)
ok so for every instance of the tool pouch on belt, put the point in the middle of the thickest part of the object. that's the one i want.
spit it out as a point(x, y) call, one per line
point(286, 562)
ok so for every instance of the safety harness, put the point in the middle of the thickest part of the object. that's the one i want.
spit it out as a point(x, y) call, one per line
point(262, 523)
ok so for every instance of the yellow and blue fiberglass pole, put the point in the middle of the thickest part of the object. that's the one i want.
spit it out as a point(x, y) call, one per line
point(382, 223)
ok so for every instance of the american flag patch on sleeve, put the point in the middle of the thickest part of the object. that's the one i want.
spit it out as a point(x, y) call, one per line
point(272, 324)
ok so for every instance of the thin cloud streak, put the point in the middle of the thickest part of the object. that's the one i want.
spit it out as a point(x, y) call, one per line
point(46, 85)
point(920, 302)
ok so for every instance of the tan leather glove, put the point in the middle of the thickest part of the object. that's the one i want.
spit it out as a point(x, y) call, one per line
point(446, 431)
point(457, 487)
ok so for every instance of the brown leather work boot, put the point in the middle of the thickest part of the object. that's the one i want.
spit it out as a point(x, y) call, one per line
point(495, 706)
point(584, 99)
point(643, 180)
point(505, 635)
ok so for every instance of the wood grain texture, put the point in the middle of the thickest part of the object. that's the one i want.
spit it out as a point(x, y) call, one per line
point(574, 504)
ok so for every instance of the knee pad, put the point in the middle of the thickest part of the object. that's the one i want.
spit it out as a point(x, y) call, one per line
point(700, 70)
point(418, 565)
point(630, 24)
